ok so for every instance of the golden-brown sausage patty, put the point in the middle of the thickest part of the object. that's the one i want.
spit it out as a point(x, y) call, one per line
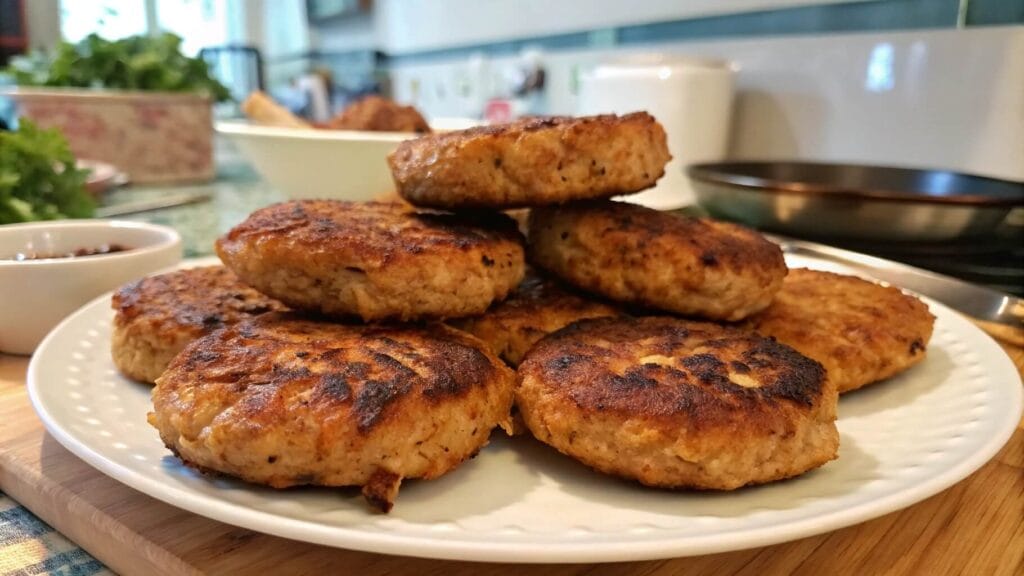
point(284, 400)
point(637, 255)
point(860, 331)
point(536, 308)
point(532, 162)
point(157, 316)
point(676, 403)
point(376, 260)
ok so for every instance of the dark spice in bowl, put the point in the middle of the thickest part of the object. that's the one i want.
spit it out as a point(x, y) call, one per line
point(79, 253)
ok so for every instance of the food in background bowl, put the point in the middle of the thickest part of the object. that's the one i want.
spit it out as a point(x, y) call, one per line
point(377, 114)
point(369, 114)
point(262, 109)
point(303, 161)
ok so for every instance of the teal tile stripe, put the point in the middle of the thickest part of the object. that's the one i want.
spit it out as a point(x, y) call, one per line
point(873, 15)
point(852, 17)
point(995, 12)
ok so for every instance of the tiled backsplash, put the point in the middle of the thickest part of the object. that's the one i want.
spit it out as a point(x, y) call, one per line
point(937, 98)
point(398, 33)
point(884, 81)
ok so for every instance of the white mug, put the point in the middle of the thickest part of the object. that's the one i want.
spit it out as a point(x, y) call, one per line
point(692, 98)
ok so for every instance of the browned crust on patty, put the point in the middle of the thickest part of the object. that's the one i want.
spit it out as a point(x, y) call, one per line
point(641, 256)
point(536, 308)
point(862, 332)
point(285, 400)
point(532, 162)
point(677, 403)
point(155, 317)
point(376, 260)
point(690, 364)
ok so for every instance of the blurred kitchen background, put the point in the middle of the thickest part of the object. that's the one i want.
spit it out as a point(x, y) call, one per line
point(911, 83)
point(908, 82)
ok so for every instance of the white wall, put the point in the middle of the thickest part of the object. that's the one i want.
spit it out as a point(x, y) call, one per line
point(404, 26)
point(286, 29)
point(346, 34)
point(286, 33)
point(408, 26)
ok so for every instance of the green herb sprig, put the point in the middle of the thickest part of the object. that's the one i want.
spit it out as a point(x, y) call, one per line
point(39, 179)
point(147, 63)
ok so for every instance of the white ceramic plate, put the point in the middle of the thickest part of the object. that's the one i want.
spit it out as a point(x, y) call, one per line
point(518, 501)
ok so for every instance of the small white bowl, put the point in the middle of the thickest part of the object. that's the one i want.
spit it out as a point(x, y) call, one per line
point(338, 164)
point(35, 295)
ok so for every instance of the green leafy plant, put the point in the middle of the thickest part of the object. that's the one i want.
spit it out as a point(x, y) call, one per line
point(149, 63)
point(38, 177)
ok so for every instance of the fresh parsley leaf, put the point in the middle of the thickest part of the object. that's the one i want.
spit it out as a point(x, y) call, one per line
point(39, 179)
point(148, 63)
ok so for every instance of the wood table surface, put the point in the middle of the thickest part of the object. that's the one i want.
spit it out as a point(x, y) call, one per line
point(974, 527)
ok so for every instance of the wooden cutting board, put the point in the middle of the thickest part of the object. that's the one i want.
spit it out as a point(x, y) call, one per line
point(975, 527)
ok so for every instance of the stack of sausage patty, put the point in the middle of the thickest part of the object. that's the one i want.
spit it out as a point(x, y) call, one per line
point(365, 343)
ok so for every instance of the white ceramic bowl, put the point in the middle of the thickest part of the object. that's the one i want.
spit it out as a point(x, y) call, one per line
point(339, 164)
point(35, 295)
